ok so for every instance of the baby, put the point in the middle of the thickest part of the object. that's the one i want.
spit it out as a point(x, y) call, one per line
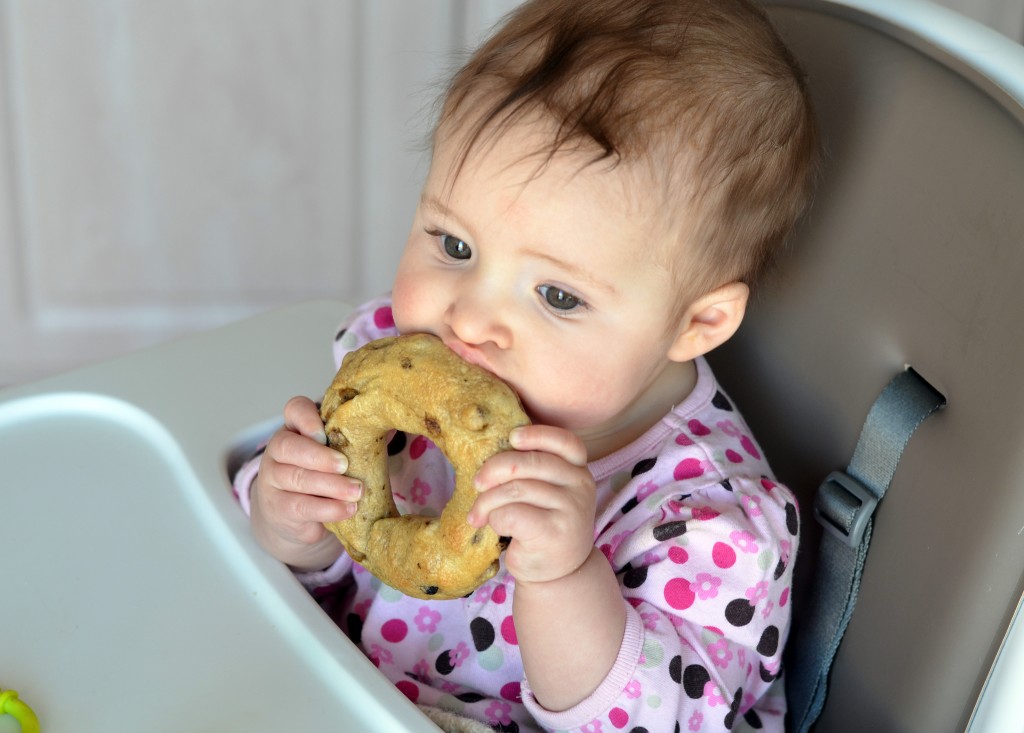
point(608, 180)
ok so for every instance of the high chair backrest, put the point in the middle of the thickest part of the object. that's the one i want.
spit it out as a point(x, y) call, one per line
point(913, 254)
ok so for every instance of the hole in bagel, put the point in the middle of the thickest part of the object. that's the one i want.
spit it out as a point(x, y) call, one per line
point(420, 496)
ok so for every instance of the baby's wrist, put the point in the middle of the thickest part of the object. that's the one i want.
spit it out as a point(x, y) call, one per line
point(300, 556)
point(568, 578)
point(316, 557)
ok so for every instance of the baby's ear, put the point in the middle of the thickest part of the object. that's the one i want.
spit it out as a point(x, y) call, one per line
point(710, 321)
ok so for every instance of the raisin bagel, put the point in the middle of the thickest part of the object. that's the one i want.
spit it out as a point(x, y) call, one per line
point(417, 385)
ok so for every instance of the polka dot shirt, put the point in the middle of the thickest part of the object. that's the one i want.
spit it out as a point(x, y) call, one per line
point(700, 536)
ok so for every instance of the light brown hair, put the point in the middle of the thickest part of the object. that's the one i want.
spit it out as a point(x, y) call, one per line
point(701, 93)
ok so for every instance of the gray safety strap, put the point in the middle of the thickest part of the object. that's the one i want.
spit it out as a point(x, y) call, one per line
point(844, 505)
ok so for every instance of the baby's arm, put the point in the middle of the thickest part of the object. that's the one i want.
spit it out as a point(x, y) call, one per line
point(696, 620)
point(300, 486)
point(568, 608)
point(705, 574)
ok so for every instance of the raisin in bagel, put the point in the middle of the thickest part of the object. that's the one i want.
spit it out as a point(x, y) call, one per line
point(417, 385)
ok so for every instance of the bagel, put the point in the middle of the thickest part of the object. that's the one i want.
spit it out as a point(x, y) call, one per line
point(419, 386)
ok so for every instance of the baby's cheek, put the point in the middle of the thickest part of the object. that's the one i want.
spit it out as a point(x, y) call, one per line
point(407, 305)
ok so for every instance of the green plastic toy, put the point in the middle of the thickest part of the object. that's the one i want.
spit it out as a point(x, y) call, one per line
point(11, 705)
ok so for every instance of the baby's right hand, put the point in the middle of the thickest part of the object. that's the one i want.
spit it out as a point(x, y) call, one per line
point(300, 486)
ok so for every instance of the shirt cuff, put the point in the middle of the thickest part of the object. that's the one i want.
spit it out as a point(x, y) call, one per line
point(610, 689)
point(329, 577)
point(242, 484)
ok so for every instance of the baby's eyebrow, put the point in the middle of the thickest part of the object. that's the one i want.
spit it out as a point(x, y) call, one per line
point(433, 202)
point(436, 205)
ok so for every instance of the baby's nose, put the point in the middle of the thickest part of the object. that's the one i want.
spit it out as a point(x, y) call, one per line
point(477, 318)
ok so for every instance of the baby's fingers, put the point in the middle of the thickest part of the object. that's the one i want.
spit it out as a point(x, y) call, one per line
point(298, 480)
point(293, 463)
point(553, 458)
point(302, 416)
point(297, 450)
point(303, 512)
point(536, 494)
point(548, 439)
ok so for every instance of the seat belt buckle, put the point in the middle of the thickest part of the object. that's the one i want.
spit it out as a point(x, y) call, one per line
point(844, 506)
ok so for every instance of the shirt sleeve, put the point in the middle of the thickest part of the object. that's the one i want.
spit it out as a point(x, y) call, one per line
point(369, 322)
point(706, 578)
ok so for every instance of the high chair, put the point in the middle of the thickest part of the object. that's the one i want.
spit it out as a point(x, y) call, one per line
point(913, 254)
point(133, 596)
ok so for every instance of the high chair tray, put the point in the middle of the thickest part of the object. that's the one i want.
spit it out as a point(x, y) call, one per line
point(133, 596)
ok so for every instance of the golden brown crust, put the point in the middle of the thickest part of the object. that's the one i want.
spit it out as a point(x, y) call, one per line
point(417, 385)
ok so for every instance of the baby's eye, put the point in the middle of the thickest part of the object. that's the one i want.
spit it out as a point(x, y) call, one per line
point(559, 299)
point(455, 247)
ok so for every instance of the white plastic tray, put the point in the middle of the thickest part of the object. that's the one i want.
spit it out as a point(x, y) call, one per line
point(132, 595)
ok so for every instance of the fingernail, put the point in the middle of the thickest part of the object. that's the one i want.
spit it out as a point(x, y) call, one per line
point(342, 463)
point(356, 491)
point(320, 437)
point(515, 437)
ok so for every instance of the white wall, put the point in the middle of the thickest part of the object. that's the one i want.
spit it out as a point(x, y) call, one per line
point(170, 165)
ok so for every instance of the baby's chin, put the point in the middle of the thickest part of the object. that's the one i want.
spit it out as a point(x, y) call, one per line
point(565, 419)
point(537, 416)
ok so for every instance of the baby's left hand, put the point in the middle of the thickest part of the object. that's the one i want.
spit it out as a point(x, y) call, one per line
point(542, 496)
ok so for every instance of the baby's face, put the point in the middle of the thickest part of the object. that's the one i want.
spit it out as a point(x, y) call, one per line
point(550, 281)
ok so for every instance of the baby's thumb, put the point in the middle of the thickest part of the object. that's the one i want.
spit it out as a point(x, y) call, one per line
point(302, 416)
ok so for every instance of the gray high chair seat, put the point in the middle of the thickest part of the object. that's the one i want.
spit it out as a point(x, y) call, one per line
point(913, 254)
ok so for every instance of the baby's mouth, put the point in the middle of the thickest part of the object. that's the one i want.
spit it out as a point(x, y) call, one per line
point(476, 357)
point(469, 354)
